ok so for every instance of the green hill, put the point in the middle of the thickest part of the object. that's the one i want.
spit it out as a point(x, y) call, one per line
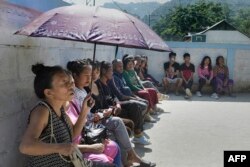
point(233, 5)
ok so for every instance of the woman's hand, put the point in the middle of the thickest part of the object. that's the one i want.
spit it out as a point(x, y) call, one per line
point(97, 148)
point(88, 102)
point(107, 112)
point(117, 109)
point(66, 149)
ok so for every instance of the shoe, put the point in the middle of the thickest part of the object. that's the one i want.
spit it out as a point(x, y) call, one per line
point(215, 96)
point(186, 97)
point(188, 92)
point(158, 109)
point(198, 93)
point(141, 140)
point(166, 97)
point(148, 118)
point(147, 164)
point(132, 144)
point(152, 112)
point(160, 97)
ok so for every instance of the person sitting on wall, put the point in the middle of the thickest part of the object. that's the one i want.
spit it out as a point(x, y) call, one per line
point(144, 72)
point(187, 73)
point(221, 74)
point(171, 69)
point(206, 76)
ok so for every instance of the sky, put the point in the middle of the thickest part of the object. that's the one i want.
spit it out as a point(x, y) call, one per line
point(101, 2)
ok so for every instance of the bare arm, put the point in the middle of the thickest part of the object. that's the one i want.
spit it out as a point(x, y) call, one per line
point(31, 145)
point(82, 119)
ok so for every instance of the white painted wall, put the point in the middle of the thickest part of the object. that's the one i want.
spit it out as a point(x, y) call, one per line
point(216, 36)
point(242, 69)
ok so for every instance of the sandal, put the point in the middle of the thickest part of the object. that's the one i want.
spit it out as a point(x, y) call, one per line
point(147, 164)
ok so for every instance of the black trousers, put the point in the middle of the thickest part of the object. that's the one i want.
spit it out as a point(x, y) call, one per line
point(187, 85)
point(134, 110)
point(202, 83)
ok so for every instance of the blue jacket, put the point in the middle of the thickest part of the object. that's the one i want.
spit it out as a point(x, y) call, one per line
point(121, 84)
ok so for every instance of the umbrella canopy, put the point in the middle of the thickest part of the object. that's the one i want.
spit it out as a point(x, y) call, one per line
point(95, 25)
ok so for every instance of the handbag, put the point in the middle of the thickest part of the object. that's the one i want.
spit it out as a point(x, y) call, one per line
point(94, 133)
point(76, 158)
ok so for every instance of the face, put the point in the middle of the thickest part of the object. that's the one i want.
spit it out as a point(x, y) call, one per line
point(119, 67)
point(84, 78)
point(207, 61)
point(137, 62)
point(109, 73)
point(143, 64)
point(96, 74)
point(130, 65)
point(187, 59)
point(221, 61)
point(62, 88)
point(172, 59)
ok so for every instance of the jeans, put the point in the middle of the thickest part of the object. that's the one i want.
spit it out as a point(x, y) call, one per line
point(118, 131)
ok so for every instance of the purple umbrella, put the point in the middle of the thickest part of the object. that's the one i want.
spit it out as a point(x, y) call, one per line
point(95, 25)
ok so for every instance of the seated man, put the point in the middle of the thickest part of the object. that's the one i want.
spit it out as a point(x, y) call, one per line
point(172, 71)
point(187, 72)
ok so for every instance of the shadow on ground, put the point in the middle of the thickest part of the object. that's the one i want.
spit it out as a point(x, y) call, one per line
point(240, 97)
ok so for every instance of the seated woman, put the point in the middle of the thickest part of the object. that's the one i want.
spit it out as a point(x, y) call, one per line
point(221, 74)
point(144, 72)
point(107, 152)
point(114, 124)
point(148, 81)
point(133, 82)
point(206, 77)
point(53, 87)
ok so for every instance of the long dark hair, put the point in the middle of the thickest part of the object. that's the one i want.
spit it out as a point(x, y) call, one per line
point(104, 67)
point(126, 60)
point(77, 66)
point(203, 63)
point(217, 60)
point(95, 64)
point(44, 77)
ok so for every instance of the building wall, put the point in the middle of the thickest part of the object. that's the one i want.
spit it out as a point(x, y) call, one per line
point(213, 36)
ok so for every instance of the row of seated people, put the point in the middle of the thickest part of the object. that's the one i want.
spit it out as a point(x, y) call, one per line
point(182, 75)
point(88, 94)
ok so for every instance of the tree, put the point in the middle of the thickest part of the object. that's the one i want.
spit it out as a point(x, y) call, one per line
point(242, 21)
point(191, 18)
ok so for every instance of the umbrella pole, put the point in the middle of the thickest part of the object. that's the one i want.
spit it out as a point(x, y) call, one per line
point(94, 52)
point(93, 59)
point(116, 51)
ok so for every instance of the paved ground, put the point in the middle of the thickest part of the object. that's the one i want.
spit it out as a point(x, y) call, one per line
point(195, 133)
